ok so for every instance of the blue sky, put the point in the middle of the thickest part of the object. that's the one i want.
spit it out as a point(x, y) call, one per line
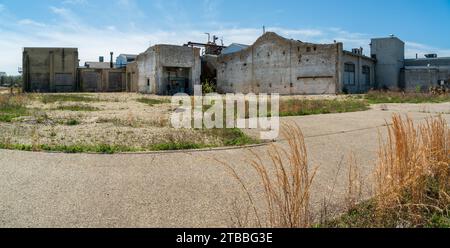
point(130, 26)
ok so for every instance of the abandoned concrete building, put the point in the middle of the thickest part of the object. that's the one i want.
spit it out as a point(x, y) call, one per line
point(50, 69)
point(273, 64)
point(165, 70)
point(420, 74)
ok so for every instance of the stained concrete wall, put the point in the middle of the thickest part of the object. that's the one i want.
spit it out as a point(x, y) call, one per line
point(360, 85)
point(390, 55)
point(424, 78)
point(132, 77)
point(274, 64)
point(152, 64)
point(102, 80)
point(50, 69)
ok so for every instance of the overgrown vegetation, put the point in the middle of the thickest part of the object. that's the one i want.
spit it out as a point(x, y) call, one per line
point(52, 98)
point(12, 107)
point(299, 107)
point(72, 122)
point(302, 107)
point(173, 146)
point(152, 102)
point(101, 148)
point(232, 136)
point(209, 87)
point(85, 108)
point(377, 97)
point(413, 174)
point(412, 179)
point(228, 137)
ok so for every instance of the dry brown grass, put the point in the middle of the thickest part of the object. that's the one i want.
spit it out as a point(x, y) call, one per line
point(286, 180)
point(412, 182)
point(412, 173)
point(354, 185)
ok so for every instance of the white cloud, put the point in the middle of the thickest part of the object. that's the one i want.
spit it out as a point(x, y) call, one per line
point(31, 23)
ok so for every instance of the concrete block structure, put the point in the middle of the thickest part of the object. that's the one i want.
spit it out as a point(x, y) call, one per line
point(102, 80)
point(50, 69)
point(390, 56)
point(166, 70)
point(421, 74)
point(274, 64)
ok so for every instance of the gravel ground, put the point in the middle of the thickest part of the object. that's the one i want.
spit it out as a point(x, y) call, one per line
point(178, 189)
point(120, 120)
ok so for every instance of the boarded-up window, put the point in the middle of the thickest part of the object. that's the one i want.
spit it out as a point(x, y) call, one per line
point(349, 74)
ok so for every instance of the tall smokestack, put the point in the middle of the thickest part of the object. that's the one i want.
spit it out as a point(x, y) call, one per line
point(111, 63)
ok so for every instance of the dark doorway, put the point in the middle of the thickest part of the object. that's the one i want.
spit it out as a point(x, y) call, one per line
point(177, 80)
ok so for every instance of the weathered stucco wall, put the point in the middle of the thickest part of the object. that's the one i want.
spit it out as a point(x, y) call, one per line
point(50, 69)
point(151, 65)
point(278, 65)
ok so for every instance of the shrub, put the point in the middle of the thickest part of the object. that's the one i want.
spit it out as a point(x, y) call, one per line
point(72, 122)
point(209, 87)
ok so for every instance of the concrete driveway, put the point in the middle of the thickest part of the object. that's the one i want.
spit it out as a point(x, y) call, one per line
point(180, 189)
